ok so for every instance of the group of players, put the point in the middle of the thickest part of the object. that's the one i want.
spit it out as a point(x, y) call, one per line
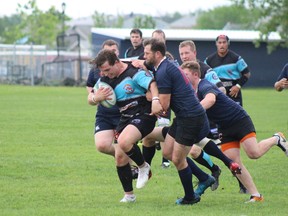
point(195, 92)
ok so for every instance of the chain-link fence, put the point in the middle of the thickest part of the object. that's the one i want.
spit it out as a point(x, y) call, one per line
point(34, 64)
point(21, 64)
point(66, 68)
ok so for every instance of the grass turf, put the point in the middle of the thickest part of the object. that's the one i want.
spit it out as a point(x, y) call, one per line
point(49, 165)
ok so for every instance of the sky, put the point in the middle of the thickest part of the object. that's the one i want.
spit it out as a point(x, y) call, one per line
point(83, 8)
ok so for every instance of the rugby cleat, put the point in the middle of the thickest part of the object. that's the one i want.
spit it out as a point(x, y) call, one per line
point(128, 198)
point(182, 201)
point(144, 174)
point(235, 168)
point(254, 199)
point(202, 186)
point(134, 170)
point(282, 142)
point(216, 175)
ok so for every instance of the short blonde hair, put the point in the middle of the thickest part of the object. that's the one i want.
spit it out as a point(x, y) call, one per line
point(188, 43)
point(193, 66)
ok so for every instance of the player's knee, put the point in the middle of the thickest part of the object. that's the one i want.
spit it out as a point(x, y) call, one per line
point(121, 159)
point(194, 154)
point(167, 155)
point(148, 142)
point(103, 147)
point(253, 154)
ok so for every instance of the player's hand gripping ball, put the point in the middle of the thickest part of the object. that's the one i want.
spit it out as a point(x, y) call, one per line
point(106, 103)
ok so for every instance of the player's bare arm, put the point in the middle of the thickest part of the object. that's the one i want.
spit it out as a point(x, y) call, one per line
point(281, 84)
point(165, 101)
point(156, 108)
point(97, 96)
point(208, 101)
point(138, 63)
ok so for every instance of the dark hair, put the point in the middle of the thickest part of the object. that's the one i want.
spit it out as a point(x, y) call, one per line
point(109, 43)
point(159, 31)
point(136, 31)
point(223, 36)
point(156, 45)
point(105, 55)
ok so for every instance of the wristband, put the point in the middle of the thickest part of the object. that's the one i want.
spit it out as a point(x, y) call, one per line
point(239, 86)
point(155, 98)
point(242, 80)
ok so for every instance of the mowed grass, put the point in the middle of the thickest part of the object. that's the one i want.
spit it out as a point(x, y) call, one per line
point(49, 165)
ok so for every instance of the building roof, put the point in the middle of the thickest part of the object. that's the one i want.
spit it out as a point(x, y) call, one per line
point(184, 34)
point(129, 23)
point(186, 22)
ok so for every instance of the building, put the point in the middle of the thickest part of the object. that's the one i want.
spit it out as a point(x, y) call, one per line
point(264, 67)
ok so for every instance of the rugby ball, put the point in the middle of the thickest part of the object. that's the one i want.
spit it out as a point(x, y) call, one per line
point(106, 103)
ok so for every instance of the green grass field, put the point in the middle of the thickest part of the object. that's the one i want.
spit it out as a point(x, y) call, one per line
point(49, 165)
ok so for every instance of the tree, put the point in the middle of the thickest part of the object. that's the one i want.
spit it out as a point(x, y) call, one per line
point(102, 20)
point(169, 18)
point(273, 18)
point(36, 26)
point(7, 23)
point(144, 22)
point(217, 18)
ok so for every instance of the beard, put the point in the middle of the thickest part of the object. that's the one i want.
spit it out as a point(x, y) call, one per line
point(151, 61)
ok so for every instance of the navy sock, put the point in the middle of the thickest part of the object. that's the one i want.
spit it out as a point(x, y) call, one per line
point(212, 149)
point(201, 175)
point(148, 153)
point(205, 160)
point(136, 155)
point(125, 176)
point(186, 180)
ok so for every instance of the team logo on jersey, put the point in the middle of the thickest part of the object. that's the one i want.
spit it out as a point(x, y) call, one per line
point(97, 128)
point(214, 76)
point(148, 74)
point(128, 89)
point(136, 121)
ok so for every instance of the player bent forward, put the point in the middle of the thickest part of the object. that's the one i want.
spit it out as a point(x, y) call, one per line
point(234, 124)
point(138, 116)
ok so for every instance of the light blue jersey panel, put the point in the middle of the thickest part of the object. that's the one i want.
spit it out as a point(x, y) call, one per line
point(212, 77)
point(231, 71)
point(133, 87)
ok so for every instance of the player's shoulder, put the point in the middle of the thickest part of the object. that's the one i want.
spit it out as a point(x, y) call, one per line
point(204, 84)
point(203, 66)
point(207, 87)
point(232, 54)
point(211, 56)
point(285, 68)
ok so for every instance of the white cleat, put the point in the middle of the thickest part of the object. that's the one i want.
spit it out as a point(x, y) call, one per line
point(143, 176)
point(282, 142)
point(128, 198)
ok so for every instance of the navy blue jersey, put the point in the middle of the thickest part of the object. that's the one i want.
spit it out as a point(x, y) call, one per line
point(93, 76)
point(284, 73)
point(130, 88)
point(228, 67)
point(171, 80)
point(225, 111)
